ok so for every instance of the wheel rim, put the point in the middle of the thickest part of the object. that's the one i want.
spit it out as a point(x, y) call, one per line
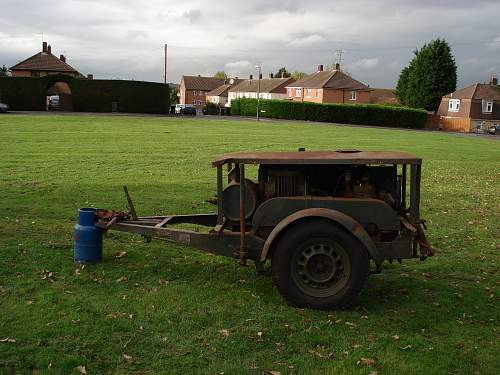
point(320, 267)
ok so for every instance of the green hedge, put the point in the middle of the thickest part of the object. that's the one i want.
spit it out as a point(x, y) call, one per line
point(361, 114)
point(88, 95)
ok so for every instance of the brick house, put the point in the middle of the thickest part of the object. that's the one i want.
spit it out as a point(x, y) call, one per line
point(219, 95)
point(329, 86)
point(269, 88)
point(473, 108)
point(194, 89)
point(44, 63)
point(383, 96)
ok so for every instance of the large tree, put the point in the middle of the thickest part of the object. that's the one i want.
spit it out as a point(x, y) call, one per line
point(4, 72)
point(282, 72)
point(220, 74)
point(431, 74)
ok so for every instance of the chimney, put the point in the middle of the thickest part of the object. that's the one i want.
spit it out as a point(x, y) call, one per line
point(225, 81)
point(62, 58)
point(271, 75)
point(493, 80)
point(49, 49)
point(337, 66)
point(44, 47)
point(320, 67)
point(250, 77)
point(90, 76)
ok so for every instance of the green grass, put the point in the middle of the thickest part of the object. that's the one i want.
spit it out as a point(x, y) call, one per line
point(161, 307)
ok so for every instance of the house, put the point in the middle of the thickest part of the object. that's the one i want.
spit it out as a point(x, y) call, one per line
point(219, 95)
point(329, 86)
point(44, 63)
point(194, 89)
point(383, 96)
point(474, 108)
point(268, 88)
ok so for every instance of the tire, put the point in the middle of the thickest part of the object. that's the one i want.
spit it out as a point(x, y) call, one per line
point(319, 265)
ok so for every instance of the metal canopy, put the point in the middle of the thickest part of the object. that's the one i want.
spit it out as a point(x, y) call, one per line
point(319, 157)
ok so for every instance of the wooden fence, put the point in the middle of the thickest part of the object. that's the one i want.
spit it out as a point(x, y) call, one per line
point(455, 124)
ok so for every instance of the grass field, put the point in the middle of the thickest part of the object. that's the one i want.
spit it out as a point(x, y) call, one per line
point(162, 308)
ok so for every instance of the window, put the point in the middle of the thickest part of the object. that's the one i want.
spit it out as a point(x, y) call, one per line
point(289, 92)
point(317, 93)
point(298, 93)
point(487, 106)
point(35, 74)
point(353, 95)
point(200, 102)
point(309, 93)
point(454, 105)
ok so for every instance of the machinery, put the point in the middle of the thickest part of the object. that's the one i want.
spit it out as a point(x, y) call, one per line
point(321, 217)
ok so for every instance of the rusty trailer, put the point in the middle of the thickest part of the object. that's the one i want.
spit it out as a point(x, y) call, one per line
point(321, 217)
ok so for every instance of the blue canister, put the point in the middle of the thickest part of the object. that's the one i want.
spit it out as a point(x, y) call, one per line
point(88, 237)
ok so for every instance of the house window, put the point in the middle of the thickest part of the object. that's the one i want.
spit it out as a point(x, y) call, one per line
point(298, 93)
point(35, 74)
point(454, 105)
point(487, 106)
point(309, 93)
point(353, 95)
point(289, 92)
point(317, 93)
point(200, 102)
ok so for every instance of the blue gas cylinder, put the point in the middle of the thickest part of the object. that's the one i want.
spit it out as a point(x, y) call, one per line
point(88, 237)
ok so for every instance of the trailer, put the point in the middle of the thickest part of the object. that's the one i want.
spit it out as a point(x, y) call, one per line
point(320, 217)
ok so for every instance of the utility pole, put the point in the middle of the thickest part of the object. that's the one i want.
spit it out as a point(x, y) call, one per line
point(165, 75)
point(258, 93)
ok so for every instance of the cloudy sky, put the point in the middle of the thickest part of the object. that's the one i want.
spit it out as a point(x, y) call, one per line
point(124, 38)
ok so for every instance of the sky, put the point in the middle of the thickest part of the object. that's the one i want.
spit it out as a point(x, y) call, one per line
point(124, 39)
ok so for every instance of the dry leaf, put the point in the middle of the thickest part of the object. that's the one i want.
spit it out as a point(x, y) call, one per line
point(127, 357)
point(224, 332)
point(123, 278)
point(395, 337)
point(259, 334)
point(351, 324)
point(8, 340)
point(120, 254)
point(81, 370)
point(406, 347)
point(367, 361)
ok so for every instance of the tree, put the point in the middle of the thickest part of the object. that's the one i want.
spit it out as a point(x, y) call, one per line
point(282, 72)
point(220, 74)
point(431, 74)
point(174, 99)
point(4, 71)
point(298, 75)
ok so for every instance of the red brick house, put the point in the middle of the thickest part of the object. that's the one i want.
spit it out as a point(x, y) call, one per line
point(471, 109)
point(194, 89)
point(44, 63)
point(329, 86)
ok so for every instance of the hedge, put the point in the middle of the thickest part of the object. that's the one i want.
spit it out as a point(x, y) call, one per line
point(88, 95)
point(361, 114)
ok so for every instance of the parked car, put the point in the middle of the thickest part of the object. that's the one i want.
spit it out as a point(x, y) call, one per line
point(185, 109)
point(53, 102)
point(494, 130)
point(4, 107)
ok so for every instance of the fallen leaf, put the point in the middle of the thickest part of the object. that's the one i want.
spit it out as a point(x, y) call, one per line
point(406, 347)
point(224, 332)
point(395, 337)
point(81, 370)
point(120, 254)
point(259, 334)
point(8, 340)
point(367, 361)
point(351, 324)
point(127, 357)
point(123, 278)
point(30, 302)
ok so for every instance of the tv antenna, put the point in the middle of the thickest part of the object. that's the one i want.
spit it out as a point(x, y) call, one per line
point(339, 53)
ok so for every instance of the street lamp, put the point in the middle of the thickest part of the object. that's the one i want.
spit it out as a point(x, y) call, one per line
point(258, 92)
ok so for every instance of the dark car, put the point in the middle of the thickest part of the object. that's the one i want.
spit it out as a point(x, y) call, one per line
point(185, 109)
point(494, 130)
point(4, 107)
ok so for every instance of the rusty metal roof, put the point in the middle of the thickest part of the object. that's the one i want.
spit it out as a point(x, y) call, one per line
point(319, 157)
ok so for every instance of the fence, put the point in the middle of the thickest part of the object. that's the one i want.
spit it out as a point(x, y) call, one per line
point(455, 124)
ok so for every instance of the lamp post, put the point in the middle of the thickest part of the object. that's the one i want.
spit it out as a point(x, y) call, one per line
point(258, 93)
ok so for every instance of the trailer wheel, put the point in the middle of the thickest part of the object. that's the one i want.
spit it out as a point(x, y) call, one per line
point(318, 265)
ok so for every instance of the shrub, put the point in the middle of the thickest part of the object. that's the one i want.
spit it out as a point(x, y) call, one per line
point(87, 95)
point(361, 114)
point(211, 109)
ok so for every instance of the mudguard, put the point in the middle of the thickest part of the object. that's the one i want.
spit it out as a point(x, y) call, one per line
point(345, 221)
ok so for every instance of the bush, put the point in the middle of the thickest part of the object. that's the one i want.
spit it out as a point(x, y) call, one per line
point(361, 114)
point(211, 109)
point(87, 95)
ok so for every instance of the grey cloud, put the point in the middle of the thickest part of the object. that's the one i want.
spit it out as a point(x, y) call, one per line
point(192, 15)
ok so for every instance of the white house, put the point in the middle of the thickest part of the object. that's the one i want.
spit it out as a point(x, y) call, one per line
point(269, 88)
